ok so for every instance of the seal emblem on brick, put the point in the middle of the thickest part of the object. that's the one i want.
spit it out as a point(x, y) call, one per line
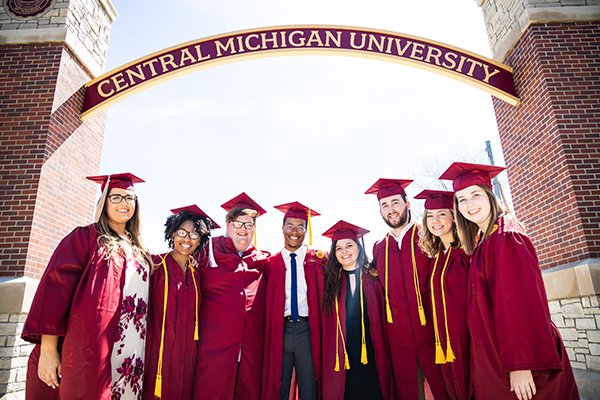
point(26, 9)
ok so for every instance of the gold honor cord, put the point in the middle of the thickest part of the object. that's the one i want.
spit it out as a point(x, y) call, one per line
point(416, 278)
point(309, 228)
point(440, 358)
point(363, 347)
point(196, 336)
point(388, 309)
point(158, 382)
point(339, 333)
point(450, 357)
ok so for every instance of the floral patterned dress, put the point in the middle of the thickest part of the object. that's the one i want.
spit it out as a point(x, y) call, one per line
point(127, 357)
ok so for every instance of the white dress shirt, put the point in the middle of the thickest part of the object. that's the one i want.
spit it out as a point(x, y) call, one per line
point(399, 238)
point(302, 303)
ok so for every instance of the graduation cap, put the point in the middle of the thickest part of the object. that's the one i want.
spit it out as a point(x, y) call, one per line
point(300, 211)
point(389, 187)
point(345, 230)
point(244, 201)
point(124, 180)
point(436, 199)
point(197, 211)
point(464, 175)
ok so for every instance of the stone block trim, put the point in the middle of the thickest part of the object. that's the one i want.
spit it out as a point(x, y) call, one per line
point(551, 141)
point(14, 353)
point(578, 321)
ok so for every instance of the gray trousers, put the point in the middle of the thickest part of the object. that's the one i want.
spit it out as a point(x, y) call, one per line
point(297, 353)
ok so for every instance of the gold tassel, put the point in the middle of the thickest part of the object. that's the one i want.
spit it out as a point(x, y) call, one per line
point(196, 336)
point(439, 354)
point(158, 387)
point(450, 357)
point(422, 315)
point(254, 241)
point(346, 361)
point(363, 354)
point(388, 309)
point(337, 363)
point(363, 351)
point(309, 229)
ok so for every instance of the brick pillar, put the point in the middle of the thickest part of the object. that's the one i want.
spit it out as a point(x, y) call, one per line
point(551, 144)
point(45, 150)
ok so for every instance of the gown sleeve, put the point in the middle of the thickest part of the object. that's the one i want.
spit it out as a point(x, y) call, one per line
point(49, 313)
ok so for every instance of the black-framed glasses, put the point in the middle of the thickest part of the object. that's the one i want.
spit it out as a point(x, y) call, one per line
point(291, 228)
point(247, 225)
point(183, 233)
point(118, 198)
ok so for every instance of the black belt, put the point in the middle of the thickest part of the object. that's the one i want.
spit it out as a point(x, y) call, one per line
point(288, 318)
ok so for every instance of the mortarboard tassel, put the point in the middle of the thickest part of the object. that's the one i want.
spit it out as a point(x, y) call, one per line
point(416, 278)
point(100, 206)
point(363, 347)
point(309, 228)
point(450, 357)
point(439, 352)
point(158, 382)
point(196, 336)
point(254, 241)
point(211, 254)
point(388, 309)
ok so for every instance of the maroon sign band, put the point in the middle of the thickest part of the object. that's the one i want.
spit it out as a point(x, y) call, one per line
point(487, 74)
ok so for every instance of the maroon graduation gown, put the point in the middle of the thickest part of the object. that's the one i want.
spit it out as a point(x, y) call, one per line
point(509, 321)
point(179, 351)
point(314, 264)
point(77, 299)
point(456, 373)
point(233, 310)
point(410, 342)
point(334, 381)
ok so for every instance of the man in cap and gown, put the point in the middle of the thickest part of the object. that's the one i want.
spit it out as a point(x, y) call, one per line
point(294, 288)
point(91, 302)
point(233, 306)
point(404, 273)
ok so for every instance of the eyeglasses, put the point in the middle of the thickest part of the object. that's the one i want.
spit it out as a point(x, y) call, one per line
point(290, 228)
point(247, 225)
point(183, 233)
point(118, 198)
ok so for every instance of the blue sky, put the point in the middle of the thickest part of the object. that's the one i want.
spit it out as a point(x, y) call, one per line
point(314, 129)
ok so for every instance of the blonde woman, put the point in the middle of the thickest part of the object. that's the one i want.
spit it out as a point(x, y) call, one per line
point(516, 351)
point(88, 317)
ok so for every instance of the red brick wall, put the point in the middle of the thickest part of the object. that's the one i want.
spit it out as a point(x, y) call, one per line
point(551, 142)
point(45, 151)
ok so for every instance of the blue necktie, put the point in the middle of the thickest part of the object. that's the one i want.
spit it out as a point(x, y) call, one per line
point(294, 297)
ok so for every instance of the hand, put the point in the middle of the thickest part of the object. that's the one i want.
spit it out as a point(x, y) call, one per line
point(49, 368)
point(521, 382)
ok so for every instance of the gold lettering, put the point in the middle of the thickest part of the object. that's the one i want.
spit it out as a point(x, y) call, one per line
point(417, 48)
point(486, 69)
point(373, 41)
point(273, 39)
point(461, 63)
point(451, 61)
point(293, 38)
point(473, 65)
point(337, 40)
point(150, 64)
point(247, 42)
point(186, 56)
point(225, 47)
point(388, 48)
point(314, 37)
point(352, 40)
point(401, 50)
point(119, 81)
point(240, 44)
point(167, 59)
point(102, 92)
point(132, 74)
point(283, 38)
point(199, 54)
point(430, 51)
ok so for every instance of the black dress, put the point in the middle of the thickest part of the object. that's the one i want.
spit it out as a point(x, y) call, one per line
point(361, 379)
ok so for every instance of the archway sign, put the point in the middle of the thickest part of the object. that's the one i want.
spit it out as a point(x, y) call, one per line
point(484, 73)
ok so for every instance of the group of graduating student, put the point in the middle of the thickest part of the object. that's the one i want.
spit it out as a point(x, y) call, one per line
point(453, 308)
